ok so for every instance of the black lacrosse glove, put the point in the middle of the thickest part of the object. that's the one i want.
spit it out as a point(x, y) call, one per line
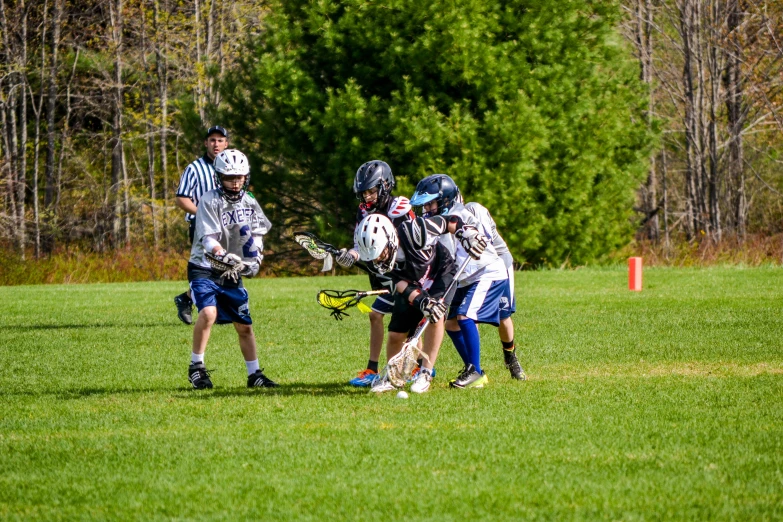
point(472, 241)
point(228, 265)
point(432, 308)
point(345, 259)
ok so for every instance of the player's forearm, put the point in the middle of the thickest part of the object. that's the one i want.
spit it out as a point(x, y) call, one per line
point(407, 290)
point(185, 204)
point(211, 243)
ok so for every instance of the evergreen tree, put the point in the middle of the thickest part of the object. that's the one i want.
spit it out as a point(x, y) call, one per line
point(533, 107)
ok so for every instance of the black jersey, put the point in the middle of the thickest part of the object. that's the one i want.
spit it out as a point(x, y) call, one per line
point(399, 210)
point(421, 258)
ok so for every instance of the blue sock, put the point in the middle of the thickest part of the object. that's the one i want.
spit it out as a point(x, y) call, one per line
point(459, 344)
point(470, 334)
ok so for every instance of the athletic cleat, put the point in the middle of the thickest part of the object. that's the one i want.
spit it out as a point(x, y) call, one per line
point(416, 374)
point(184, 308)
point(364, 378)
point(470, 378)
point(198, 375)
point(422, 382)
point(382, 385)
point(512, 363)
point(259, 380)
point(451, 381)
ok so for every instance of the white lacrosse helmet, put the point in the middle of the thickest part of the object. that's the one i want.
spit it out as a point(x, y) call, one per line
point(231, 162)
point(374, 234)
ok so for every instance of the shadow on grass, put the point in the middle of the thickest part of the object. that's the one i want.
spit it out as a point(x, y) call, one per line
point(33, 327)
point(284, 390)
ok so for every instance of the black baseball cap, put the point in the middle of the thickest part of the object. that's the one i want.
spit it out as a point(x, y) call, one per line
point(217, 129)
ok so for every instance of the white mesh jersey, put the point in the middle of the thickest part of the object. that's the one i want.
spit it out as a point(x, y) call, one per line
point(241, 226)
point(498, 242)
point(490, 266)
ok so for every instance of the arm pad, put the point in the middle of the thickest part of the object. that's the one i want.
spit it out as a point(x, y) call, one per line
point(406, 294)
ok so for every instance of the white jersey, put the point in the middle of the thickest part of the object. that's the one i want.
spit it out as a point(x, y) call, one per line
point(490, 266)
point(497, 241)
point(240, 225)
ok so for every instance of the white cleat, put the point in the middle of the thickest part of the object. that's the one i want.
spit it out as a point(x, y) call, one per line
point(422, 382)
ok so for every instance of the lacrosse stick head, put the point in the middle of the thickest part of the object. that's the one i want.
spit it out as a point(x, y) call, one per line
point(399, 368)
point(312, 244)
point(339, 300)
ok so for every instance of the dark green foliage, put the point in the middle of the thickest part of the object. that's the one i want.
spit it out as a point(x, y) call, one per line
point(532, 106)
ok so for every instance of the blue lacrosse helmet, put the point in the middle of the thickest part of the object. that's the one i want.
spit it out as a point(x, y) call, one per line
point(439, 188)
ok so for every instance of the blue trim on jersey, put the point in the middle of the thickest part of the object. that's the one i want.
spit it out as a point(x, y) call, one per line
point(483, 301)
point(231, 303)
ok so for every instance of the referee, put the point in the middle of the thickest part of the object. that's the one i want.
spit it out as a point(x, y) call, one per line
point(198, 178)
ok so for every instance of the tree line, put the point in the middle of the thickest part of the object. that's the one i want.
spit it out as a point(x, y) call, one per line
point(714, 71)
point(577, 123)
point(93, 103)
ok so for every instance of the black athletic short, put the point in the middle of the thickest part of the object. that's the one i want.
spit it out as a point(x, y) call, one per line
point(405, 317)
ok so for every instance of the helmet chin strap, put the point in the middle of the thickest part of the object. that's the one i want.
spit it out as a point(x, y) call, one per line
point(232, 195)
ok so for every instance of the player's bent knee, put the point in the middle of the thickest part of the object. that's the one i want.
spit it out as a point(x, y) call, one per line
point(209, 313)
point(243, 329)
point(376, 317)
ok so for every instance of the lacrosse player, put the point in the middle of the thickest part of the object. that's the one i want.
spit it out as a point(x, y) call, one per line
point(421, 269)
point(506, 328)
point(228, 245)
point(198, 178)
point(483, 294)
point(373, 185)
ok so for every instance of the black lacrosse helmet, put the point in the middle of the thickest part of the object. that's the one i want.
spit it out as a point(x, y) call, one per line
point(375, 173)
point(437, 187)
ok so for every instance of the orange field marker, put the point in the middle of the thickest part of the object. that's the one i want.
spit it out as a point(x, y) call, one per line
point(635, 274)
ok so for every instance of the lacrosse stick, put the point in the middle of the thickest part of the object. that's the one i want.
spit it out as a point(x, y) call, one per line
point(339, 300)
point(320, 250)
point(227, 270)
point(400, 367)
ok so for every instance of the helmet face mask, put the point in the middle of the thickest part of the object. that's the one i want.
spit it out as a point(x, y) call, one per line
point(231, 164)
point(385, 263)
point(438, 188)
point(378, 242)
point(375, 174)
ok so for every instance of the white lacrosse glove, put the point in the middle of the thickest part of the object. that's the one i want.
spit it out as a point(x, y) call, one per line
point(345, 259)
point(432, 308)
point(250, 269)
point(472, 241)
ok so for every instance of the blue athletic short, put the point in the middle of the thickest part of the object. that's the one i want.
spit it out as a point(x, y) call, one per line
point(484, 302)
point(231, 303)
point(384, 304)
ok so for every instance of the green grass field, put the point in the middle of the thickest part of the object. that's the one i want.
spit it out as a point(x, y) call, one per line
point(660, 405)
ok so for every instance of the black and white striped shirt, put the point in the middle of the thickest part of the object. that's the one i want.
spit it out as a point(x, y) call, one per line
point(198, 178)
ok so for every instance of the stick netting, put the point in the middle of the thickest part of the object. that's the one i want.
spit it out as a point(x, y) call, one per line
point(338, 301)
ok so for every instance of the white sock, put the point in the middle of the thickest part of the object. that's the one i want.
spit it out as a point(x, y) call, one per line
point(197, 357)
point(252, 366)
